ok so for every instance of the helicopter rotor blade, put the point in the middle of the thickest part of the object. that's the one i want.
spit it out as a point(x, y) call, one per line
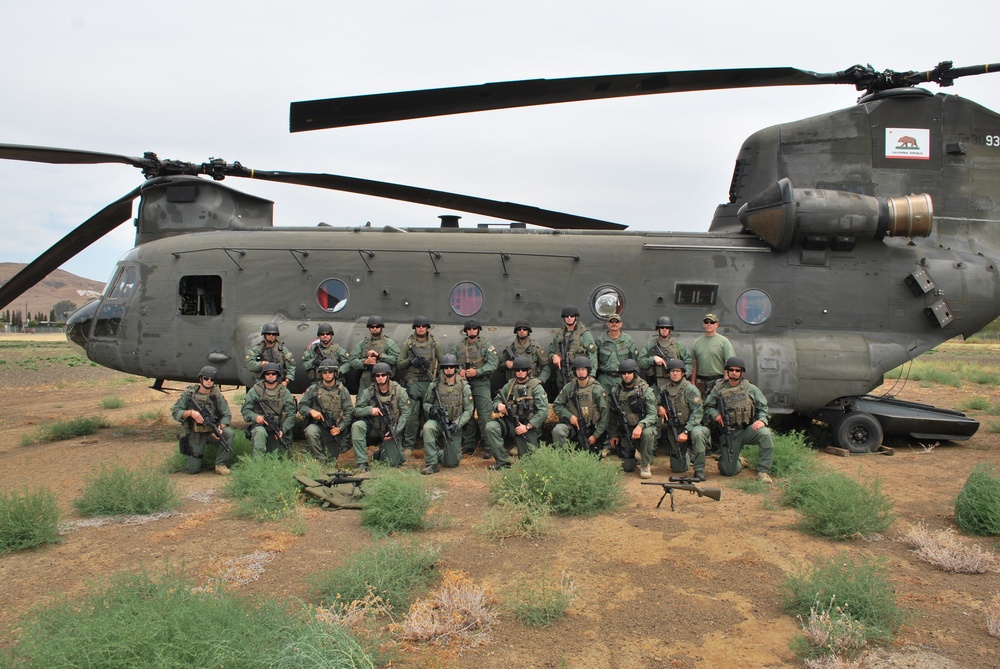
point(385, 107)
point(83, 236)
point(46, 154)
point(476, 205)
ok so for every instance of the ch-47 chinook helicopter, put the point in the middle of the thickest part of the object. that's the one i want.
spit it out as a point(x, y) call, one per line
point(852, 242)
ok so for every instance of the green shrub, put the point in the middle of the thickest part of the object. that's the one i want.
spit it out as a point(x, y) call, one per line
point(506, 520)
point(28, 519)
point(836, 506)
point(538, 602)
point(391, 570)
point(860, 588)
point(977, 507)
point(264, 486)
point(117, 490)
point(792, 455)
point(975, 403)
point(67, 429)
point(569, 482)
point(396, 500)
point(112, 402)
point(136, 621)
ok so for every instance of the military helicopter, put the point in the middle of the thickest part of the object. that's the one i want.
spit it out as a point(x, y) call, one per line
point(852, 242)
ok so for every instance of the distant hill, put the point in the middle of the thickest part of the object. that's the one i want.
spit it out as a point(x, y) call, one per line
point(57, 286)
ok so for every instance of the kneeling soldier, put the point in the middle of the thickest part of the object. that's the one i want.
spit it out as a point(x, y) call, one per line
point(520, 409)
point(327, 410)
point(448, 394)
point(634, 404)
point(745, 417)
point(380, 414)
point(269, 410)
point(208, 421)
point(682, 411)
point(582, 405)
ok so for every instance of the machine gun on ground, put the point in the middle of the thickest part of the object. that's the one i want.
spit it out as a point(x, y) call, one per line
point(627, 454)
point(683, 483)
point(209, 422)
point(327, 491)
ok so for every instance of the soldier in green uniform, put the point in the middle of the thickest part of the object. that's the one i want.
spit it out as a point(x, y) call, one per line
point(324, 348)
point(572, 340)
point(746, 414)
point(613, 348)
point(682, 419)
point(269, 410)
point(327, 409)
point(524, 345)
point(198, 434)
point(269, 349)
point(477, 359)
point(521, 408)
point(637, 402)
point(417, 367)
point(711, 351)
point(374, 348)
point(660, 350)
point(582, 405)
point(383, 426)
point(454, 395)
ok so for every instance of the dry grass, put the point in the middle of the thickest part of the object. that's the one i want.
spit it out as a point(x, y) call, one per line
point(352, 615)
point(832, 631)
point(993, 617)
point(835, 662)
point(459, 613)
point(947, 551)
point(240, 570)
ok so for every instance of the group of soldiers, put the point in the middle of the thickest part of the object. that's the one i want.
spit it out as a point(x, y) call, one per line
point(604, 403)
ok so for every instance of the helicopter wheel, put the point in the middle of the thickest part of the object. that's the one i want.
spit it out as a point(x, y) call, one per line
point(858, 432)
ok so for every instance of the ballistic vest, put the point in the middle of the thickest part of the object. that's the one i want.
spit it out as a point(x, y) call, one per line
point(678, 400)
point(451, 397)
point(520, 399)
point(740, 410)
point(632, 401)
point(426, 350)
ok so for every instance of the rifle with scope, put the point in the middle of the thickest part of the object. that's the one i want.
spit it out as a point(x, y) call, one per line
point(683, 483)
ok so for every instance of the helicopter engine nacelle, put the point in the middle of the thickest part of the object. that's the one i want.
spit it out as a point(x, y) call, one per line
point(782, 213)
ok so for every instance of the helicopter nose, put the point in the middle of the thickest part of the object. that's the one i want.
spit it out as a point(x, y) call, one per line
point(79, 324)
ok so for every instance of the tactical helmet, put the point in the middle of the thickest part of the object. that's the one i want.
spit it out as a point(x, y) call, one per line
point(269, 328)
point(328, 365)
point(375, 321)
point(208, 372)
point(581, 361)
point(381, 368)
point(736, 362)
point(664, 322)
point(570, 310)
point(421, 320)
point(449, 360)
point(522, 362)
point(472, 324)
point(675, 363)
point(522, 324)
point(270, 367)
point(324, 328)
point(628, 366)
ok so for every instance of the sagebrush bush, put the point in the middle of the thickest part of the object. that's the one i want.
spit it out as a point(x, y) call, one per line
point(538, 601)
point(977, 507)
point(506, 520)
point(836, 506)
point(458, 614)
point(263, 487)
point(28, 519)
point(945, 550)
point(396, 500)
point(792, 455)
point(67, 429)
point(568, 481)
point(117, 490)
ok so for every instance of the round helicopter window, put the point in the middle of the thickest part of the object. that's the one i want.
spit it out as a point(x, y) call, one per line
point(332, 295)
point(753, 307)
point(466, 298)
point(607, 301)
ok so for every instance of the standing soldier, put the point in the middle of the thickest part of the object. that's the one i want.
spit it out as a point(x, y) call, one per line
point(451, 394)
point(417, 367)
point(477, 359)
point(524, 345)
point(324, 348)
point(660, 350)
point(682, 411)
point(613, 348)
point(711, 351)
point(582, 406)
point(381, 413)
point(521, 409)
point(327, 410)
point(205, 415)
point(572, 340)
point(746, 417)
point(269, 349)
point(635, 402)
point(269, 410)
point(374, 348)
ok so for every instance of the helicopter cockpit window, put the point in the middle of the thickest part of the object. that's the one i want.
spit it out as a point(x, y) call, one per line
point(606, 301)
point(112, 310)
point(753, 307)
point(200, 295)
point(466, 299)
point(332, 295)
point(124, 283)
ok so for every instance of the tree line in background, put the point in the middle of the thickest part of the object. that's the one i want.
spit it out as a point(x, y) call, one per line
point(57, 314)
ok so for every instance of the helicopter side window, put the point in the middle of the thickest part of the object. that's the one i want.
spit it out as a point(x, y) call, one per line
point(607, 301)
point(332, 295)
point(753, 307)
point(466, 298)
point(200, 295)
point(696, 294)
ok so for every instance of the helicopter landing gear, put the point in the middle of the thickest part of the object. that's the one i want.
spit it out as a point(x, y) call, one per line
point(858, 432)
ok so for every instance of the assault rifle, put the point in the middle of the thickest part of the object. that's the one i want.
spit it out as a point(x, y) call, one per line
point(683, 483)
point(386, 416)
point(727, 429)
point(210, 422)
point(439, 414)
point(509, 352)
point(673, 422)
point(623, 452)
point(327, 422)
point(416, 359)
point(511, 416)
point(582, 432)
point(564, 365)
point(270, 424)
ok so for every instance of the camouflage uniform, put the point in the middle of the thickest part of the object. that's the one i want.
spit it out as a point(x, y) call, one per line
point(610, 354)
point(593, 401)
point(527, 403)
point(366, 426)
point(415, 380)
point(261, 354)
point(481, 356)
point(388, 353)
point(317, 353)
point(334, 402)
point(638, 403)
point(277, 405)
point(745, 404)
point(456, 398)
point(198, 436)
point(669, 347)
point(685, 401)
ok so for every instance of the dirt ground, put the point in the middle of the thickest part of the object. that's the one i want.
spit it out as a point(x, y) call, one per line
point(699, 587)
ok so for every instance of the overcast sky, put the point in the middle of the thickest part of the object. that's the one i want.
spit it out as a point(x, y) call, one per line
point(194, 80)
